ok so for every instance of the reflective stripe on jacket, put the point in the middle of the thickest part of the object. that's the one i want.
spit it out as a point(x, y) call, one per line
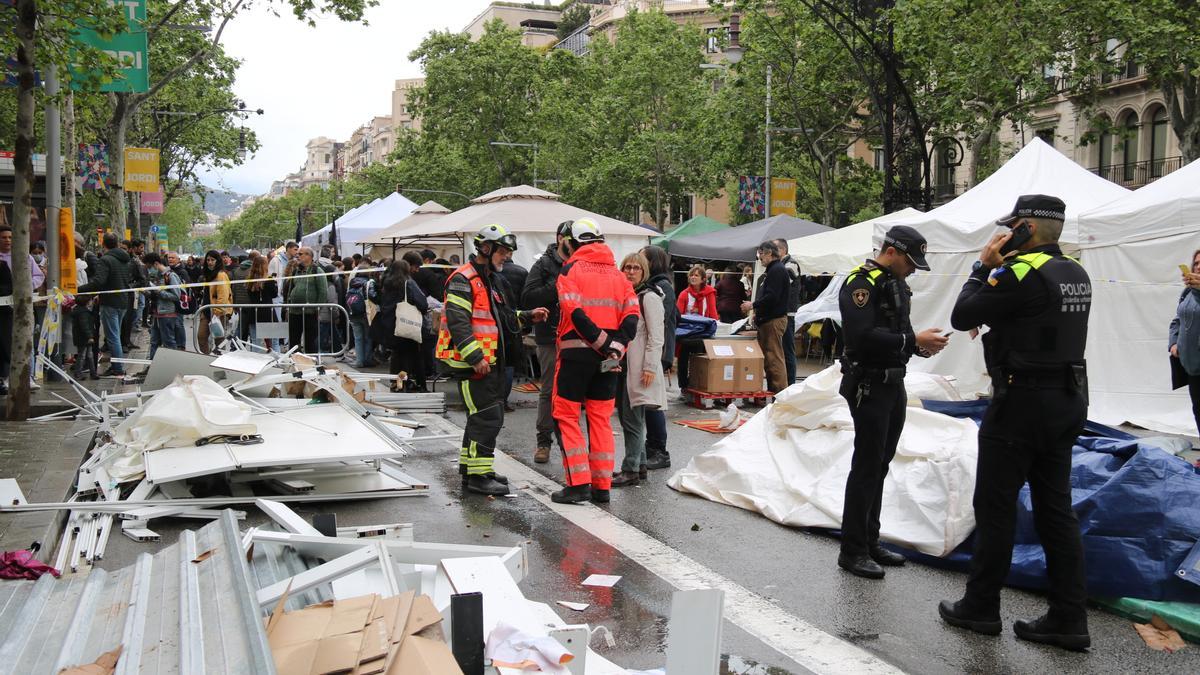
point(484, 340)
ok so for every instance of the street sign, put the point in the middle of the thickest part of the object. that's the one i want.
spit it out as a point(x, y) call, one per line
point(141, 170)
point(130, 49)
point(153, 229)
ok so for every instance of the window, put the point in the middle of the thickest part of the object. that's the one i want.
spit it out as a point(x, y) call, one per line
point(1106, 152)
point(1129, 147)
point(878, 152)
point(1158, 143)
point(712, 41)
point(327, 158)
point(1046, 135)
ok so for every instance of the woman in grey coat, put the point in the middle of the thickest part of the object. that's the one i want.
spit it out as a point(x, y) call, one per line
point(645, 386)
point(1184, 341)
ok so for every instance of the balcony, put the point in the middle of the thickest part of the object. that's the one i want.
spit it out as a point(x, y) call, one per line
point(1136, 174)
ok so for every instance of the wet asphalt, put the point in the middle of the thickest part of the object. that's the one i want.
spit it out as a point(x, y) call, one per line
point(894, 619)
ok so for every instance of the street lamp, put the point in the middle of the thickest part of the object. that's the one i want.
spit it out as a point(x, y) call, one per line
point(522, 145)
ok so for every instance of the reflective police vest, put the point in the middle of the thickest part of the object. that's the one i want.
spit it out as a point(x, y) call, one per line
point(1055, 336)
point(483, 323)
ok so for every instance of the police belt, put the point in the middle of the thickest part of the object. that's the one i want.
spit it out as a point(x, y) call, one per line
point(868, 374)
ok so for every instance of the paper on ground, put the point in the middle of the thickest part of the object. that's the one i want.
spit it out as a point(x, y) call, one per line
point(577, 606)
point(605, 580)
point(511, 647)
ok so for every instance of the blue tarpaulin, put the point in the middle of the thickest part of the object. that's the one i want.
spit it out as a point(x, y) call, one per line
point(1139, 514)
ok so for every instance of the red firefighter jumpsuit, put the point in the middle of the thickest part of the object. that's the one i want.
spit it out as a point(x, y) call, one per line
point(599, 314)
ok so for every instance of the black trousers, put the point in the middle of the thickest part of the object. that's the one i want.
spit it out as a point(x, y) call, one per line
point(485, 417)
point(302, 330)
point(6, 335)
point(1028, 435)
point(406, 356)
point(1194, 392)
point(878, 420)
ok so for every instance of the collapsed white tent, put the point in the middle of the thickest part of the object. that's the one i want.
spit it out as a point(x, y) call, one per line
point(957, 231)
point(358, 226)
point(532, 215)
point(842, 249)
point(1132, 248)
point(791, 460)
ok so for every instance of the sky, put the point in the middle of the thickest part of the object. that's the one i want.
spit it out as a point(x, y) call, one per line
point(322, 81)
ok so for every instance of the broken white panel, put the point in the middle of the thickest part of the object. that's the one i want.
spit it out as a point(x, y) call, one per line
point(502, 600)
point(346, 564)
point(172, 464)
point(10, 492)
point(244, 361)
point(694, 631)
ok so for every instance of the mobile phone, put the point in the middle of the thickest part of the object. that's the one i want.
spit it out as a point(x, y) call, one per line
point(1184, 269)
point(608, 365)
point(1020, 235)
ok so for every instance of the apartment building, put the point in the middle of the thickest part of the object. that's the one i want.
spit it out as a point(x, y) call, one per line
point(537, 23)
point(402, 117)
point(370, 143)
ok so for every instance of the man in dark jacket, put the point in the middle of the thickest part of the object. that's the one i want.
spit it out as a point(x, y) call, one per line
point(431, 280)
point(794, 290)
point(238, 275)
point(112, 273)
point(513, 278)
point(539, 290)
point(770, 314)
point(137, 279)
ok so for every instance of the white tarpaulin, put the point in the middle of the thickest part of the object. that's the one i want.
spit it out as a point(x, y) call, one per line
point(840, 250)
point(957, 231)
point(1132, 249)
point(363, 224)
point(190, 408)
point(791, 460)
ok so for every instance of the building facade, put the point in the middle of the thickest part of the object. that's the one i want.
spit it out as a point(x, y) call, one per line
point(402, 117)
point(538, 23)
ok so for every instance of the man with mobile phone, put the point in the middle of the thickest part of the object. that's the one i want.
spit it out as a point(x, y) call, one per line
point(1036, 300)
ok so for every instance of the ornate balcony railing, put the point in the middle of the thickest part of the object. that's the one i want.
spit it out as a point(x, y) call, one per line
point(1137, 174)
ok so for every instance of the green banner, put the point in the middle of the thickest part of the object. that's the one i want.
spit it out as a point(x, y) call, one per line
point(130, 49)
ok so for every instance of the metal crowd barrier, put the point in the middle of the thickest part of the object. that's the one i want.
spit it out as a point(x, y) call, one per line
point(279, 329)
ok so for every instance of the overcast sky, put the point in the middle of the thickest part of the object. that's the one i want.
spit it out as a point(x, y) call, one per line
point(323, 81)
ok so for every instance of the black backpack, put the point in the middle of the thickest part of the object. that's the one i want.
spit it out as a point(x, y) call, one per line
point(356, 297)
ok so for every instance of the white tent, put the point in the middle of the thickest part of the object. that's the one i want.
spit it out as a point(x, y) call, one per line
point(386, 242)
point(363, 223)
point(1132, 248)
point(842, 249)
point(531, 214)
point(957, 231)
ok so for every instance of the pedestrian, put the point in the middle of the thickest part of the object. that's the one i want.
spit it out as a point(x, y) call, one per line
point(399, 287)
point(361, 289)
point(84, 318)
point(599, 316)
point(112, 274)
point(433, 284)
point(731, 294)
point(37, 278)
point(657, 456)
point(214, 321)
point(1036, 302)
point(305, 285)
point(513, 278)
point(879, 340)
point(699, 297)
point(795, 290)
point(163, 304)
point(260, 290)
point(770, 314)
point(238, 274)
point(1183, 342)
point(470, 346)
point(541, 291)
point(644, 386)
point(135, 301)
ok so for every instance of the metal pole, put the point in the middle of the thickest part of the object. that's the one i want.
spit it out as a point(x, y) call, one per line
point(767, 209)
point(535, 165)
point(53, 177)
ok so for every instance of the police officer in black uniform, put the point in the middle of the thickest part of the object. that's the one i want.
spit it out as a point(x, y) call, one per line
point(879, 340)
point(1036, 302)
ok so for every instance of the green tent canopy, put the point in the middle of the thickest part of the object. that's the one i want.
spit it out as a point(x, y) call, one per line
point(697, 225)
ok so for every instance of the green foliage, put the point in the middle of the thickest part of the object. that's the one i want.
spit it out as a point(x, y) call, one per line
point(573, 18)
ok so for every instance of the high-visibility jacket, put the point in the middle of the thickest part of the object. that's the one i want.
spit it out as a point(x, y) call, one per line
point(483, 342)
point(598, 307)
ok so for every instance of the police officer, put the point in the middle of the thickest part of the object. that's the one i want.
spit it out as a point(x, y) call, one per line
point(598, 315)
point(879, 340)
point(470, 346)
point(1036, 302)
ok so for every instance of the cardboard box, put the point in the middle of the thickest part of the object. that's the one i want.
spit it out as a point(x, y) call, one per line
point(727, 366)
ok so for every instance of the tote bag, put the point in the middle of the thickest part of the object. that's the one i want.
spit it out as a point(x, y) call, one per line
point(408, 319)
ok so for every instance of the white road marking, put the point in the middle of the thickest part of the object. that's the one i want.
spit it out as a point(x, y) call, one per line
point(757, 615)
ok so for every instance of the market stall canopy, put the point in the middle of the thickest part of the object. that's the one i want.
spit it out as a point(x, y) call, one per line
point(381, 245)
point(364, 223)
point(842, 249)
point(693, 226)
point(1132, 248)
point(957, 231)
point(532, 215)
point(740, 243)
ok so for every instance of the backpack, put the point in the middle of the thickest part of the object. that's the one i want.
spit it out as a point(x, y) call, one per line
point(356, 297)
point(186, 304)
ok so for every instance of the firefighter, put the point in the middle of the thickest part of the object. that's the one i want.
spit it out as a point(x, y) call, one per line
point(597, 319)
point(470, 346)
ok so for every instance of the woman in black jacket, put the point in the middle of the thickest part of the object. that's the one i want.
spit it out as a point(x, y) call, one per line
point(397, 287)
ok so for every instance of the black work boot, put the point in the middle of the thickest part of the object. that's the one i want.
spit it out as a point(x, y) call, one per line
point(963, 616)
point(599, 496)
point(572, 494)
point(885, 557)
point(485, 485)
point(1072, 635)
point(494, 476)
point(860, 566)
point(657, 458)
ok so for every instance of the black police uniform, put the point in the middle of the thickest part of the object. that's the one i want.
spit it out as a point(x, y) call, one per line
point(1037, 307)
point(879, 341)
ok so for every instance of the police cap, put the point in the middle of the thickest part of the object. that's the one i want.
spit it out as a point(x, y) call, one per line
point(1035, 206)
point(909, 242)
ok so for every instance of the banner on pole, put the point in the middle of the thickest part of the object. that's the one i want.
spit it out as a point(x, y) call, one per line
point(152, 202)
point(783, 196)
point(66, 251)
point(131, 50)
point(141, 170)
point(93, 166)
point(752, 195)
